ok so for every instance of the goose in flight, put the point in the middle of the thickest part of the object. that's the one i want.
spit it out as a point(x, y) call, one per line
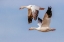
point(45, 22)
point(33, 12)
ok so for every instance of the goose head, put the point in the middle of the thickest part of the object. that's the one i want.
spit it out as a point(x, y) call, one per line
point(32, 28)
point(22, 7)
point(52, 29)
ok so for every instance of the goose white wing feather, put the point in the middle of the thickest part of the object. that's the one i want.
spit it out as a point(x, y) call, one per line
point(47, 18)
point(45, 22)
point(34, 7)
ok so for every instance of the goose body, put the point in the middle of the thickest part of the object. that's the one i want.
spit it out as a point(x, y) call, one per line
point(33, 12)
point(44, 23)
point(42, 29)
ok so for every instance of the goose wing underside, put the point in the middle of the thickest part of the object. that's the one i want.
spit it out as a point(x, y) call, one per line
point(30, 16)
point(35, 15)
point(47, 18)
point(46, 21)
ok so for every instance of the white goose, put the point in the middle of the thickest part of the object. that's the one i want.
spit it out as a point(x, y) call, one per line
point(44, 23)
point(33, 11)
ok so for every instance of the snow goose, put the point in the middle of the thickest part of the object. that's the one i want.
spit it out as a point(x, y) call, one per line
point(33, 12)
point(45, 22)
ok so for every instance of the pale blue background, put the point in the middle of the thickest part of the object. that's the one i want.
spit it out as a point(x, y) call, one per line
point(14, 25)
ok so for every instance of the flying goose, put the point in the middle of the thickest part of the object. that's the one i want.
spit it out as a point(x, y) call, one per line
point(33, 12)
point(45, 22)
